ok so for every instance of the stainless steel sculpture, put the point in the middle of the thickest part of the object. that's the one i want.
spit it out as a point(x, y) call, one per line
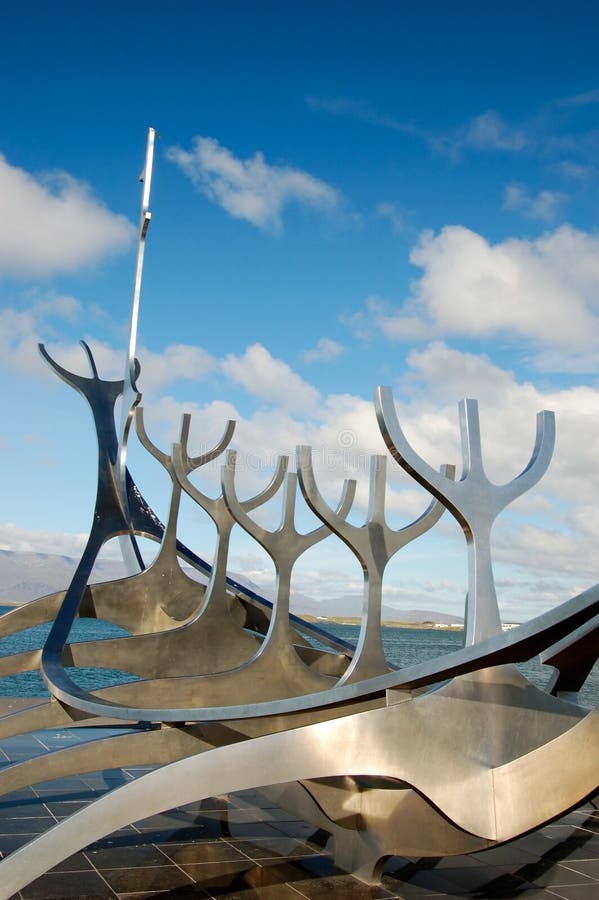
point(443, 757)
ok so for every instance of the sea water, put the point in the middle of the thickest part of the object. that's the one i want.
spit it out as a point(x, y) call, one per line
point(408, 646)
point(31, 684)
point(403, 647)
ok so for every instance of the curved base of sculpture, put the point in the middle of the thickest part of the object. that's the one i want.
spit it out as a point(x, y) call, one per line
point(465, 783)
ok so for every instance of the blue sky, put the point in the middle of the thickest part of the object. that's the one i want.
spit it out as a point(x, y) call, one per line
point(344, 195)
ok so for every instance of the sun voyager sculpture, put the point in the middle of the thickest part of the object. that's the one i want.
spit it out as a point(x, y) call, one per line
point(444, 757)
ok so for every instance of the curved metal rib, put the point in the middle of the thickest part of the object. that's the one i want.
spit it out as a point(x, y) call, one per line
point(16, 663)
point(111, 517)
point(270, 539)
point(374, 544)
point(36, 612)
point(46, 714)
point(540, 458)
point(140, 748)
point(473, 500)
point(284, 546)
point(573, 658)
point(204, 644)
point(518, 645)
point(140, 428)
point(194, 462)
point(225, 642)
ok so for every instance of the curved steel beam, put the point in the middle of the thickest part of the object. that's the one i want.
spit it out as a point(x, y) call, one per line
point(46, 714)
point(284, 545)
point(374, 544)
point(141, 748)
point(573, 658)
point(517, 645)
point(331, 749)
point(473, 500)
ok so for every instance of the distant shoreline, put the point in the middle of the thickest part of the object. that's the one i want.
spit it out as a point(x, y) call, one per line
point(356, 620)
point(343, 620)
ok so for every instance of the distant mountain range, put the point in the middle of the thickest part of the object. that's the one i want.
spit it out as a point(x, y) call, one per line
point(25, 576)
point(350, 605)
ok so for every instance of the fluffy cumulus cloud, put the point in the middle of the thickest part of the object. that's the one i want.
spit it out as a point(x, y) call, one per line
point(270, 379)
point(489, 131)
point(551, 531)
point(543, 206)
point(53, 223)
point(21, 329)
point(439, 375)
point(23, 540)
point(251, 189)
point(325, 350)
point(544, 291)
point(45, 317)
point(177, 362)
point(340, 428)
point(486, 132)
point(544, 546)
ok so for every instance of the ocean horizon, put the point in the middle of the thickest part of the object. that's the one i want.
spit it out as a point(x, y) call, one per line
point(403, 647)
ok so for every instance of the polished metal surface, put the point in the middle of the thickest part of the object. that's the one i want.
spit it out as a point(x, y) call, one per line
point(374, 544)
point(131, 396)
point(573, 658)
point(473, 500)
point(445, 756)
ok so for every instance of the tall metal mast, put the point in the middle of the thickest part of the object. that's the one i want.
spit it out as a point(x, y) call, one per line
point(131, 395)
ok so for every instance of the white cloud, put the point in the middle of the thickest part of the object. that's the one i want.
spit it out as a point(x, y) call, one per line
point(20, 331)
point(395, 216)
point(41, 322)
point(544, 134)
point(587, 98)
point(251, 189)
point(439, 375)
point(545, 291)
point(550, 533)
point(24, 540)
point(543, 206)
point(364, 112)
point(325, 350)
point(270, 379)
point(489, 131)
point(340, 428)
point(574, 171)
point(176, 362)
point(54, 224)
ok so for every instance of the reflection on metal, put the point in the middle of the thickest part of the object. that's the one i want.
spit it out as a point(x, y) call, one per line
point(446, 756)
point(473, 500)
point(131, 396)
point(374, 543)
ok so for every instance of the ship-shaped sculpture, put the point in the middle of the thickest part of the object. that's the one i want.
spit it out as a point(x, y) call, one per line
point(443, 757)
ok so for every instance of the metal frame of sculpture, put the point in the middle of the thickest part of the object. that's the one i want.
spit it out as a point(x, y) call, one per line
point(448, 756)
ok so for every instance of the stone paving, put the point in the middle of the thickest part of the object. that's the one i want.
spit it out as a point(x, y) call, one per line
point(242, 848)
